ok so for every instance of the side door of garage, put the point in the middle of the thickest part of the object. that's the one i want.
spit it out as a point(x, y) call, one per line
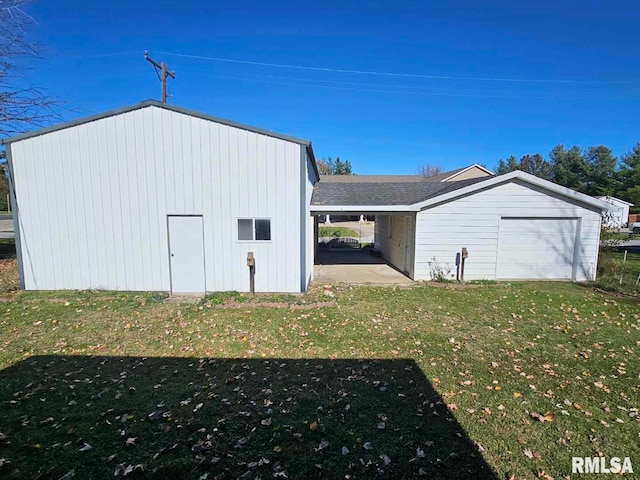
point(186, 254)
point(536, 248)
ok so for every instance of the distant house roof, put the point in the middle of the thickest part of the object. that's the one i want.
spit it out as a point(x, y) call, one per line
point(608, 198)
point(480, 171)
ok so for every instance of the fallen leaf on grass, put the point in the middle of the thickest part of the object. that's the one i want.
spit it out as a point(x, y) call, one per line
point(313, 426)
point(122, 470)
point(131, 441)
point(84, 448)
point(531, 455)
point(323, 444)
point(547, 417)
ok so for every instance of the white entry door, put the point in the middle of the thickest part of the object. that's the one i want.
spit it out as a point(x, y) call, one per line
point(186, 253)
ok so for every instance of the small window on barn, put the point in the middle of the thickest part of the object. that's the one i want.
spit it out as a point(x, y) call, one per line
point(258, 229)
point(263, 229)
point(245, 229)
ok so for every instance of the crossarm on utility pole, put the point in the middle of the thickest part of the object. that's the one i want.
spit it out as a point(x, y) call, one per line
point(162, 76)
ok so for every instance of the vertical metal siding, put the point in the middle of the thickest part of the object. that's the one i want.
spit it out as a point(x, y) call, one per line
point(94, 198)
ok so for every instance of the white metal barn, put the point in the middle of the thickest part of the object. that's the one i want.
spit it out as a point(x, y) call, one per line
point(514, 226)
point(156, 197)
point(619, 215)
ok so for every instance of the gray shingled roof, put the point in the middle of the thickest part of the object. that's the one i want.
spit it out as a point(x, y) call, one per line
point(388, 178)
point(383, 193)
point(371, 178)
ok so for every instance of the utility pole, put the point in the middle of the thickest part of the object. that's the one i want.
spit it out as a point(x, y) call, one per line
point(162, 72)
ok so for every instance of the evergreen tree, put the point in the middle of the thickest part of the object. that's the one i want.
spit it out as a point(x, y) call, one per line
point(569, 168)
point(536, 165)
point(601, 171)
point(508, 165)
point(629, 176)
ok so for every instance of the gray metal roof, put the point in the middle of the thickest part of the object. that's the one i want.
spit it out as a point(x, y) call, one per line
point(155, 103)
point(380, 193)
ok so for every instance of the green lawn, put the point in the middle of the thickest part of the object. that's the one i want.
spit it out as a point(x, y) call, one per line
point(487, 382)
point(341, 231)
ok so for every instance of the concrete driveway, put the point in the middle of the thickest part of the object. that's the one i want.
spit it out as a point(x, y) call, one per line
point(356, 268)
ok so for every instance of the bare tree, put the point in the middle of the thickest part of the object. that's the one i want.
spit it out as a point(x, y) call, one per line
point(22, 106)
point(428, 170)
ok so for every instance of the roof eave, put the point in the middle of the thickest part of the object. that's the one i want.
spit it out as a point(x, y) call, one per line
point(515, 175)
point(361, 208)
point(314, 164)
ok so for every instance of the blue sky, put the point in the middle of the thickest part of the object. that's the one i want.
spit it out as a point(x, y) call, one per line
point(449, 83)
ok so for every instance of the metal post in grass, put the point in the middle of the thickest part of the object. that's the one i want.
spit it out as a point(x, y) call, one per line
point(624, 262)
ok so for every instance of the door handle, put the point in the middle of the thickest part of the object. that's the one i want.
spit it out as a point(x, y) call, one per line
point(172, 254)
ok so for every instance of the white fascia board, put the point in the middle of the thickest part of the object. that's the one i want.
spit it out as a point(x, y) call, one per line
point(606, 198)
point(517, 175)
point(475, 165)
point(362, 208)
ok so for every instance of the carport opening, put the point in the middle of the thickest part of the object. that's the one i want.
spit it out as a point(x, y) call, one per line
point(347, 237)
point(356, 248)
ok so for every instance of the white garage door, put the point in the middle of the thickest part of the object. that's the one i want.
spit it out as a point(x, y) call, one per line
point(536, 248)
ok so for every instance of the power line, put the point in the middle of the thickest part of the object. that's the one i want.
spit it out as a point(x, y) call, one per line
point(382, 85)
point(407, 92)
point(390, 74)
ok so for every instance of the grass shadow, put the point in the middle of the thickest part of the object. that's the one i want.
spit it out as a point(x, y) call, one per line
point(172, 417)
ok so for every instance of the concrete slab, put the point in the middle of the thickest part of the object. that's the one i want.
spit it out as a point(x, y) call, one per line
point(6, 225)
point(356, 268)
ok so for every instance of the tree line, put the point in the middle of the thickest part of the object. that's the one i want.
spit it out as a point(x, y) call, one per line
point(329, 166)
point(594, 171)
